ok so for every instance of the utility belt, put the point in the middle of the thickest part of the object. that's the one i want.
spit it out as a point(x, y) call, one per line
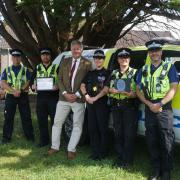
point(122, 103)
point(8, 95)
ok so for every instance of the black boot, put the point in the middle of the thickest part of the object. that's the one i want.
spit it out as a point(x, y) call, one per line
point(5, 141)
point(165, 175)
point(155, 174)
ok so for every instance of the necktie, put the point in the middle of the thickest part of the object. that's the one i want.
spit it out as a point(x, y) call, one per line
point(72, 70)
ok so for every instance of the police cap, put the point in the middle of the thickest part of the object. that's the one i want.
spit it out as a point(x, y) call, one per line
point(154, 45)
point(45, 51)
point(16, 52)
point(123, 52)
point(99, 54)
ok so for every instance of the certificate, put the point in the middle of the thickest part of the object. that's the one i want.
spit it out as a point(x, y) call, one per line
point(45, 84)
point(123, 85)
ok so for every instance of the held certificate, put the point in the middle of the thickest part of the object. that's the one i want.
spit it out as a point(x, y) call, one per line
point(45, 84)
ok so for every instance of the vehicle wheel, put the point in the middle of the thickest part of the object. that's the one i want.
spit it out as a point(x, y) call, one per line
point(67, 129)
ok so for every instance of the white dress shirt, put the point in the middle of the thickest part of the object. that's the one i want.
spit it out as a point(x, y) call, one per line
point(75, 71)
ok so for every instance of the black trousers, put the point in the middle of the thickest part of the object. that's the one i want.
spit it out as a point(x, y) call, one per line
point(98, 115)
point(160, 138)
point(46, 106)
point(9, 112)
point(125, 129)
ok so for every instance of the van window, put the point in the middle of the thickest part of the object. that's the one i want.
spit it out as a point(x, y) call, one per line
point(175, 61)
point(177, 65)
point(113, 64)
point(137, 60)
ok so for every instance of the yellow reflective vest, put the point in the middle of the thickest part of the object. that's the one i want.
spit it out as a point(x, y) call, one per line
point(50, 72)
point(128, 75)
point(157, 83)
point(16, 82)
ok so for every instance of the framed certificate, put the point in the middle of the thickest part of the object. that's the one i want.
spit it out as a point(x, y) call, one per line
point(123, 85)
point(45, 84)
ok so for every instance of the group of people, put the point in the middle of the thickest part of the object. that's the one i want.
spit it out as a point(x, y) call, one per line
point(119, 91)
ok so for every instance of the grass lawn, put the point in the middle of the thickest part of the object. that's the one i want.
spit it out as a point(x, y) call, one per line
point(23, 160)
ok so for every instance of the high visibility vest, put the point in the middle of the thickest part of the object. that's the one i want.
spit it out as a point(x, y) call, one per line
point(50, 72)
point(128, 75)
point(157, 83)
point(16, 82)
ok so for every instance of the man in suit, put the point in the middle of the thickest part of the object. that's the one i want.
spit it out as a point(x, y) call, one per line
point(71, 73)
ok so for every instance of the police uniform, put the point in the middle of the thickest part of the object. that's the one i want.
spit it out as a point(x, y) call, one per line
point(154, 82)
point(124, 111)
point(16, 77)
point(98, 112)
point(46, 100)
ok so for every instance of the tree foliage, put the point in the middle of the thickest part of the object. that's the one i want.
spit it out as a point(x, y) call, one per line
point(54, 23)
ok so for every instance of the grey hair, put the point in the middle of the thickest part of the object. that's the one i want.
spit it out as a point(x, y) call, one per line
point(77, 42)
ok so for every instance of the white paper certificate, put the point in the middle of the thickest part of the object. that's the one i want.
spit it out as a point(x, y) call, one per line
point(45, 84)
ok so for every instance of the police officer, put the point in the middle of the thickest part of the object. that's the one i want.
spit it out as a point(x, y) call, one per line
point(46, 99)
point(15, 80)
point(98, 112)
point(156, 86)
point(122, 98)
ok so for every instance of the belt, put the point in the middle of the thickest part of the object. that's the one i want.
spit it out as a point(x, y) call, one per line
point(22, 94)
point(120, 102)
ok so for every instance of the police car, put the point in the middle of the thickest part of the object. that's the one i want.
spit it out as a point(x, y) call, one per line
point(171, 53)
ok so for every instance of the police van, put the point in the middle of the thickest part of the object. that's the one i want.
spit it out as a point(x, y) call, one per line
point(171, 53)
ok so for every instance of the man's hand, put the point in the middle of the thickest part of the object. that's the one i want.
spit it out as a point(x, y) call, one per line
point(55, 87)
point(70, 97)
point(2, 94)
point(34, 87)
point(156, 108)
point(16, 93)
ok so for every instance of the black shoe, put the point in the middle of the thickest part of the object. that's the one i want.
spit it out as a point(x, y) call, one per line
point(121, 165)
point(103, 155)
point(165, 175)
point(32, 139)
point(118, 164)
point(40, 145)
point(94, 158)
point(154, 175)
point(5, 141)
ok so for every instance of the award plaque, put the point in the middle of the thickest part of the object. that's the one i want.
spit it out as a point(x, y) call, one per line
point(123, 85)
point(45, 84)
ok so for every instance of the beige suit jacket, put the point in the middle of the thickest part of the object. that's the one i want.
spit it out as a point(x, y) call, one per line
point(64, 77)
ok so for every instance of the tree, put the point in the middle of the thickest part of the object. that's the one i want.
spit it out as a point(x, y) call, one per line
point(54, 23)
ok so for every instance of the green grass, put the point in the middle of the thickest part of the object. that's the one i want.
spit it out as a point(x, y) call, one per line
point(23, 160)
